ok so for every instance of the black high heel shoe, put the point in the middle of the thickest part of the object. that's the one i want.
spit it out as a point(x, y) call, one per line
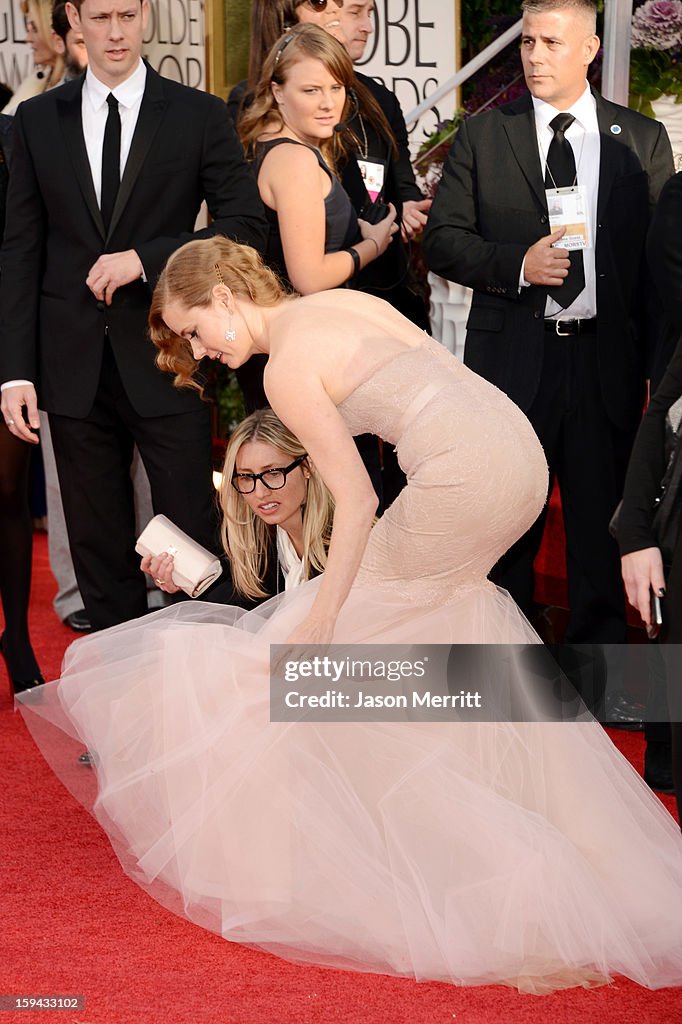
point(18, 685)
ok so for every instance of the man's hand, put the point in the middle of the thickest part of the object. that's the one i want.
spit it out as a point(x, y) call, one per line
point(112, 271)
point(14, 400)
point(545, 265)
point(414, 217)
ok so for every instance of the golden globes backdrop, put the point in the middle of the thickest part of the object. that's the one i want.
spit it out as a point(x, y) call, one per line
point(174, 42)
point(413, 50)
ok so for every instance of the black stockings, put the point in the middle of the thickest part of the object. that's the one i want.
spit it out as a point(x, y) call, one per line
point(16, 541)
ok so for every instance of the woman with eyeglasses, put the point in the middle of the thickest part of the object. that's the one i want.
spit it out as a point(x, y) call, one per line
point(277, 515)
point(472, 849)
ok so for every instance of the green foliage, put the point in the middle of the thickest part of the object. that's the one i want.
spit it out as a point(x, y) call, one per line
point(430, 149)
point(653, 73)
point(477, 20)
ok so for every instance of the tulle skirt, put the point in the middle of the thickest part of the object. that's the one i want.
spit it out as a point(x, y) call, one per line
point(526, 853)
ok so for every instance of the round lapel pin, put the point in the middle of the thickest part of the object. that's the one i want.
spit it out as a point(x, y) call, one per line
point(616, 129)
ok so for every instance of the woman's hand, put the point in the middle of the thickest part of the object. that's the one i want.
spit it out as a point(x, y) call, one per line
point(382, 233)
point(313, 630)
point(643, 572)
point(160, 568)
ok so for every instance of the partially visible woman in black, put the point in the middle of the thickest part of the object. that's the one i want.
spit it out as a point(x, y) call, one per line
point(642, 563)
point(641, 560)
point(16, 534)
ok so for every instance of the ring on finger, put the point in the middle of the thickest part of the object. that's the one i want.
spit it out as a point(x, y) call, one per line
point(158, 581)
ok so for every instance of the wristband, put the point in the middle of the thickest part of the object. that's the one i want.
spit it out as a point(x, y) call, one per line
point(376, 245)
point(355, 256)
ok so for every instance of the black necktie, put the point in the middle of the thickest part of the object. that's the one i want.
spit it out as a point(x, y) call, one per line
point(560, 173)
point(111, 160)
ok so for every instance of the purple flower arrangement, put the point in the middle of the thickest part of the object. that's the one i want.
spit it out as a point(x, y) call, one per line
point(657, 25)
point(656, 56)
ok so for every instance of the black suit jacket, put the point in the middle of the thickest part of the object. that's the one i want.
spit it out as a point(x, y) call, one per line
point(664, 251)
point(490, 208)
point(388, 276)
point(52, 329)
point(400, 184)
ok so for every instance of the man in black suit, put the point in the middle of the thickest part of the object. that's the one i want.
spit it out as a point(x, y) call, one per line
point(564, 336)
point(109, 174)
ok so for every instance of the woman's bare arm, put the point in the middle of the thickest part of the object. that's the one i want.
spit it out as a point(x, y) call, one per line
point(292, 183)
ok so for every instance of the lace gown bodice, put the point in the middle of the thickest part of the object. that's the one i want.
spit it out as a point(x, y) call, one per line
point(469, 455)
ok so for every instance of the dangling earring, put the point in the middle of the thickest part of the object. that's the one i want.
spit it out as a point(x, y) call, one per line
point(230, 333)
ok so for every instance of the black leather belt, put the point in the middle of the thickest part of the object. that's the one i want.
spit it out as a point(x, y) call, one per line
point(566, 327)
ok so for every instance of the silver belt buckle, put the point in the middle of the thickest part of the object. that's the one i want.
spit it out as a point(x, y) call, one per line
point(563, 334)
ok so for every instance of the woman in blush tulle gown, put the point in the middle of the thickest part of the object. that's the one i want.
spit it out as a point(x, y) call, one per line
point(529, 853)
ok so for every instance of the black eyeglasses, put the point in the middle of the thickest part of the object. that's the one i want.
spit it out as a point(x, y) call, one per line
point(273, 479)
point(319, 5)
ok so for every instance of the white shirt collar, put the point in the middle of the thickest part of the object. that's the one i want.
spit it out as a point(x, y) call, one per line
point(290, 563)
point(584, 111)
point(128, 93)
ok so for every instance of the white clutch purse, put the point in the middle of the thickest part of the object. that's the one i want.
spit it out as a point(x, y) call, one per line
point(194, 568)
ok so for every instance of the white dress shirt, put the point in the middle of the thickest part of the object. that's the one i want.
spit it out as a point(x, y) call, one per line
point(289, 562)
point(94, 113)
point(583, 136)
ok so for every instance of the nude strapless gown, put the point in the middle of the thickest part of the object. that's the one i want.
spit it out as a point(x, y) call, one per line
point(530, 854)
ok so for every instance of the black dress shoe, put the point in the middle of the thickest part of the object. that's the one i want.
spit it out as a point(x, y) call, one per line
point(19, 685)
point(658, 770)
point(78, 621)
point(622, 713)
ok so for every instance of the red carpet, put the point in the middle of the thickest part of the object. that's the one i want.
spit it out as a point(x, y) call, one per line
point(73, 924)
